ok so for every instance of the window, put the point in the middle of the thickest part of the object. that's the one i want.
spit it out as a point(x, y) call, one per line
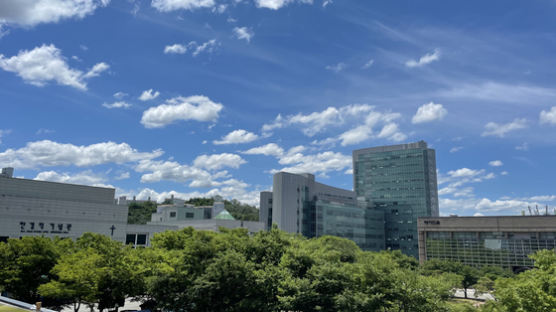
point(4, 239)
point(189, 215)
point(141, 239)
point(130, 239)
point(172, 214)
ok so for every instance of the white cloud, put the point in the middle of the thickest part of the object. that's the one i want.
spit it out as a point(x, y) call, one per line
point(229, 189)
point(504, 173)
point(48, 154)
point(523, 147)
point(205, 47)
point(424, 60)
point(118, 104)
point(46, 63)
point(321, 163)
point(337, 67)
point(277, 4)
point(270, 149)
point(237, 137)
point(500, 130)
point(218, 161)
point(172, 5)
point(96, 70)
point(148, 95)
point(456, 149)
point(175, 49)
point(465, 172)
point(368, 64)
point(173, 171)
point(196, 49)
point(44, 131)
point(496, 163)
point(243, 33)
point(33, 12)
point(362, 116)
point(120, 95)
point(548, 117)
point(197, 107)
point(429, 112)
point(123, 176)
point(85, 178)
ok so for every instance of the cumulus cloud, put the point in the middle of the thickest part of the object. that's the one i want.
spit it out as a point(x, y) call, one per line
point(148, 95)
point(237, 137)
point(175, 49)
point(496, 163)
point(424, 60)
point(337, 67)
point(207, 47)
point(96, 70)
point(320, 163)
point(173, 171)
point(46, 63)
point(197, 107)
point(500, 130)
point(429, 112)
point(173, 5)
point(363, 116)
point(548, 117)
point(243, 33)
point(84, 178)
point(277, 4)
point(48, 154)
point(218, 161)
point(270, 149)
point(118, 104)
point(229, 189)
point(32, 12)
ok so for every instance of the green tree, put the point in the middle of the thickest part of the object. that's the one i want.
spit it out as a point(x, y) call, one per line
point(469, 275)
point(532, 291)
point(140, 213)
point(99, 272)
point(26, 263)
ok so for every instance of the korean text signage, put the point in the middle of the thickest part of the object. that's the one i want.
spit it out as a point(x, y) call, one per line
point(45, 227)
point(432, 222)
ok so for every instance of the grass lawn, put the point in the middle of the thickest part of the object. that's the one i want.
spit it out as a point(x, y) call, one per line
point(7, 308)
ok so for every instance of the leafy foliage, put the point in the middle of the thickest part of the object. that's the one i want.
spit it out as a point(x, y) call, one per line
point(229, 271)
point(238, 210)
point(140, 212)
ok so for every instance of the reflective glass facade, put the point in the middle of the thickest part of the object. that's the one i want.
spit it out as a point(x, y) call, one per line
point(399, 180)
point(509, 250)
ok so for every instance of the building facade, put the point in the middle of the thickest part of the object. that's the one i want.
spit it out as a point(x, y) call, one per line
point(299, 204)
point(504, 241)
point(51, 209)
point(40, 208)
point(400, 181)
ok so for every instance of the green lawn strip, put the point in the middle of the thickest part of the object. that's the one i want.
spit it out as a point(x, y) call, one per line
point(7, 308)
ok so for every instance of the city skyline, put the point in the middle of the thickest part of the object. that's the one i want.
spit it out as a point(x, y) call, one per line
point(201, 98)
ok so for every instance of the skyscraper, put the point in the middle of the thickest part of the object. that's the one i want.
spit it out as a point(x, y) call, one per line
point(401, 181)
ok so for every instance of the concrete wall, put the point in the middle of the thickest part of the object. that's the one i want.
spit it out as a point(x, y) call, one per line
point(38, 208)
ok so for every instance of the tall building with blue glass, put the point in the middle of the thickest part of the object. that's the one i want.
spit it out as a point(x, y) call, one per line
point(400, 181)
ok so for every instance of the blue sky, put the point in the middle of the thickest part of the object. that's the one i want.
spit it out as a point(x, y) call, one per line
point(206, 97)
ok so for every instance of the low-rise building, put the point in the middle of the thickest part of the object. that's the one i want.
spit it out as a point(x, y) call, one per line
point(504, 241)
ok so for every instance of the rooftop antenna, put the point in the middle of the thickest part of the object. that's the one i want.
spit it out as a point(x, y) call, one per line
point(546, 213)
point(530, 212)
point(537, 210)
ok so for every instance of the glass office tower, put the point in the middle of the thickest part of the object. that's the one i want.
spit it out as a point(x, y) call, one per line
point(399, 180)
